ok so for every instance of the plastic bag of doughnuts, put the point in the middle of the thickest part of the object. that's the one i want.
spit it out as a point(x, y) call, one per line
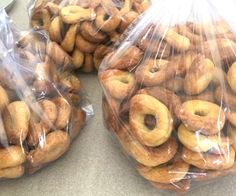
point(169, 92)
point(85, 29)
point(42, 106)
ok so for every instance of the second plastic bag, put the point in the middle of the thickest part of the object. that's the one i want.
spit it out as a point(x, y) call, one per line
point(170, 92)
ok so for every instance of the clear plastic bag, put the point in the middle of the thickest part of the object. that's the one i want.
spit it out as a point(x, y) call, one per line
point(169, 92)
point(42, 105)
point(86, 29)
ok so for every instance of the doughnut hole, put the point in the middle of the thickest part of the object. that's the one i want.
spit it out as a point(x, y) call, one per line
point(150, 121)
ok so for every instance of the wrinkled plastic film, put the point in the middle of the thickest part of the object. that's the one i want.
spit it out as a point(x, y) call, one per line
point(169, 92)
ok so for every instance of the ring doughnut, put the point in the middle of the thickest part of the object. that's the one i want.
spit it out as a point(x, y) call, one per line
point(209, 161)
point(91, 33)
point(74, 14)
point(202, 116)
point(41, 18)
point(127, 59)
point(56, 144)
point(69, 40)
point(231, 77)
point(118, 83)
point(180, 187)
point(142, 106)
point(77, 58)
point(16, 118)
point(11, 157)
point(170, 99)
point(166, 174)
point(201, 143)
point(145, 155)
point(63, 112)
point(83, 45)
point(12, 172)
point(55, 30)
point(227, 96)
point(154, 72)
point(88, 65)
point(198, 76)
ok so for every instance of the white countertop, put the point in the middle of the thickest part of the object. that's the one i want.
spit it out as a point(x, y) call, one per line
point(95, 165)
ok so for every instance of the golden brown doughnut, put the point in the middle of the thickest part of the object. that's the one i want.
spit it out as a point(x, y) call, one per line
point(128, 59)
point(83, 45)
point(16, 118)
point(117, 83)
point(73, 14)
point(55, 29)
point(63, 112)
point(106, 21)
point(198, 76)
point(202, 116)
point(77, 58)
point(231, 77)
point(209, 161)
point(143, 105)
point(55, 145)
point(91, 33)
point(11, 156)
point(12, 172)
point(143, 154)
point(88, 65)
point(167, 173)
point(69, 40)
point(201, 143)
point(180, 187)
point(41, 18)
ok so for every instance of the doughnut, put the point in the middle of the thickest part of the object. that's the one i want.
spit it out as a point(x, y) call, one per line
point(77, 121)
point(170, 99)
point(142, 106)
point(41, 18)
point(117, 83)
point(69, 82)
point(55, 30)
point(126, 20)
point(205, 117)
point(91, 33)
point(231, 117)
point(225, 95)
point(201, 143)
point(106, 21)
point(11, 156)
point(180, 187)
point(74, 14)
point(12, 172)
point(69, 40)
point(83, 45)
point(168, 173)
point(56, 53)
point(209, 161)
point(77, 58)
point(176, 84)
point(63, 112)
point(88, 65)
point(4, 99)
point(16, 118)
point(177, 41)
point(143, 154)
point(231, 77)
point(126, 59)
point(56, 144)
point(198, 76)
point(154, 72)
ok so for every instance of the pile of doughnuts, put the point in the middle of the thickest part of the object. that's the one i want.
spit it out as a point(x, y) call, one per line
point(40, 106)
point(169, 97)
point(86, 29)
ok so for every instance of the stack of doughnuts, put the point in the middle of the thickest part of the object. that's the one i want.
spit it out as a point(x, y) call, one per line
point(169, 97)
point(86, 29)
point(40, 105)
